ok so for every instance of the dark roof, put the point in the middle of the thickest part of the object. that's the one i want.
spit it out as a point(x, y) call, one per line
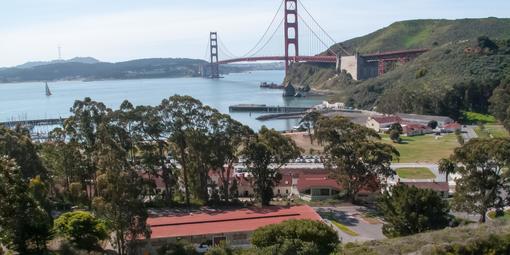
point(436, 186)
point(387, 119)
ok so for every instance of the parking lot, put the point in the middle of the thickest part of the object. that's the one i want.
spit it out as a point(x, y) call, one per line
point(357, 223)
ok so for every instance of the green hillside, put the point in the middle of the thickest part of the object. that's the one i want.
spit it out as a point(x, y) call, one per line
point(446, 80)
point(427, 34)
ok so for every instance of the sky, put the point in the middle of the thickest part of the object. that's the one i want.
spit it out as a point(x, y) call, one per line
point(119, 30)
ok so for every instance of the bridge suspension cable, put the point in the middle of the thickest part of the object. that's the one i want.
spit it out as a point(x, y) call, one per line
point(323, 31)
point(273, 20)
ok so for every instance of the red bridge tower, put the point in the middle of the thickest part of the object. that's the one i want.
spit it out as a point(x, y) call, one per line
point(215, 69)
point(291, 31)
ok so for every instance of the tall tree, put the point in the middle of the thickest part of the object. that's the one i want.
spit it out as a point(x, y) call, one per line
point(226, 138)
point(354, 154)
point(500, 103)
point(82, 127)
point(310, 120)
point(265, 154)
point(409, 210)
point(119, 199)
point(24, 224)
point(187, 123)
point(17, 145)
point(447, 167)
point(482, 182)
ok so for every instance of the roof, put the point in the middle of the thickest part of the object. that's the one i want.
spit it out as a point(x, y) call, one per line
point(317, 180)
point(414, 127)
point(436, 186)
point(454, 125)
point(387, 119)
point(208, 222)
point(424, 117)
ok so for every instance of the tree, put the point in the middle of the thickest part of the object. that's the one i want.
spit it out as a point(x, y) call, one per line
point(221, 249)
point(226, 137)
point(354, 155)
point(187, 123)
point(447, 167)
point(265, 154)
point(177, 248)
point(24, 224)
point(500, 103)
point(395, 136)
point(397, 127)
point(17, 145)
point(296, 236)
point(310, 120)
point(409, 210)
point(82, 229)
point(432, 124)
point(481, 181)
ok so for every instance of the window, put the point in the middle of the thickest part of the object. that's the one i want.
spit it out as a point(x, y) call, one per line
point(324, 192)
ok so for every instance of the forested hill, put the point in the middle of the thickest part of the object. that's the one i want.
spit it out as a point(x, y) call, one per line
point(142, 68)
point(134, 69)
point(427, 33)
point(459, 73)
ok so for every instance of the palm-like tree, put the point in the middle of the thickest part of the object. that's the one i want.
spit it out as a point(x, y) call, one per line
point(447, 167)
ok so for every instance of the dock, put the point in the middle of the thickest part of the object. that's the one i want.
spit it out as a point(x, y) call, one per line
point(262, 108)
point(31, 123)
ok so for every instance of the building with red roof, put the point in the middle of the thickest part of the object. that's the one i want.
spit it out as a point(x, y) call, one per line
point(414, 129)
point(382, 123)
point(208, 227)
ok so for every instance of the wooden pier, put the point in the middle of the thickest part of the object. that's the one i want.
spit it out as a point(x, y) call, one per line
point(262, 108)
point(32, 123)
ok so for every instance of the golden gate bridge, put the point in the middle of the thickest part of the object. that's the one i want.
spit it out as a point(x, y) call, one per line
point(304, 40)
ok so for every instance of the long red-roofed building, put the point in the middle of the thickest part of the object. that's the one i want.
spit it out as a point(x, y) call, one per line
point(213, 226)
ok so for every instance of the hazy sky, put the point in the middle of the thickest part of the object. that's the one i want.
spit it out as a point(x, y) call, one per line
point(117, 30)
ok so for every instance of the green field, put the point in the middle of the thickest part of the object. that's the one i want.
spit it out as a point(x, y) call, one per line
point(424, 148)
point(491, 131)
point(415, 173)
point(506, 216)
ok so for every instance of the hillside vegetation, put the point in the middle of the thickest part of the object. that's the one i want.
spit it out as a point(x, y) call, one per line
point(489, 238)
point(459, 73)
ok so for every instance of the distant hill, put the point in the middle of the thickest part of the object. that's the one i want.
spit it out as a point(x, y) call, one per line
point(446, 80)
point(92, 69)
point(84, 60)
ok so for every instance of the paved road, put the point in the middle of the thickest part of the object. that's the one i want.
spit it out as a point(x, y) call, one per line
point(351, 216)
point(469, 133)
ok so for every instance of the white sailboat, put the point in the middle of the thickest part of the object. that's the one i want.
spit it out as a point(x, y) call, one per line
point(48, 92)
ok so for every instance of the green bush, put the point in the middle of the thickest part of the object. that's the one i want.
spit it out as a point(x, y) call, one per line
point(297, 237)
point(82, 229)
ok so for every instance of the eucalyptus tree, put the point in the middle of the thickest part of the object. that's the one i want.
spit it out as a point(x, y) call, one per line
point(17, 145)
point(119, 197)
point(24, 225)
point(82, 128)
point(354, 154)
point(310, 120)
point(226, 137)
point(186, 125)
point(265, 153)
point(482, 178)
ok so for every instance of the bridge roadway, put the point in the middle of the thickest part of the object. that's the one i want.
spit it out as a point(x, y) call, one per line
point(329, 59)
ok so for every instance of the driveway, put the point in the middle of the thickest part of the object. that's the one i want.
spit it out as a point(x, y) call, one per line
point(355, 218)
point(469, 133)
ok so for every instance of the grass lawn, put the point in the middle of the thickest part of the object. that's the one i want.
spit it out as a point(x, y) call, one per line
point(425, 148)
point(344, 228)
point(415, 173)
point(506, 216)
point(495, 131)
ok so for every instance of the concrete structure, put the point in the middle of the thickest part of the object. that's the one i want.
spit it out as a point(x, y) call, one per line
point(209, 227)
point(425, 119)
point(358, 67)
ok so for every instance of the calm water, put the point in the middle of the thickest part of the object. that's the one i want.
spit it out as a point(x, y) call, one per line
point(28, 100)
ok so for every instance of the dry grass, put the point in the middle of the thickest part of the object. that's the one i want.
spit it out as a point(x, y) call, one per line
point(302, 140)
point(425, 242)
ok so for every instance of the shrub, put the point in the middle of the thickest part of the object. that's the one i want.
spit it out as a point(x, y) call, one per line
point(82, 229)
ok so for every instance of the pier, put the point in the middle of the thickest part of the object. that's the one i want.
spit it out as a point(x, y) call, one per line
point(262, 108)
point(32, 123)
